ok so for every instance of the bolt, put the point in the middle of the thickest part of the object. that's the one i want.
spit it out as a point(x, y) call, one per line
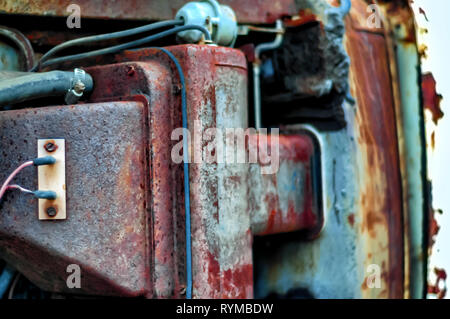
point(176, 89)
point(79, 87)
point(130, 71)
point(50, 147)
point(51, 211)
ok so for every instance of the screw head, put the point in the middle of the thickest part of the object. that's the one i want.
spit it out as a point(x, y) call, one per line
point(51, 211)
point(130, 71)
point(79, 87)
point(50, 147)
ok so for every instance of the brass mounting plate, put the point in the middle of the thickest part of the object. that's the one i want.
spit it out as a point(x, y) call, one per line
point(52, 177)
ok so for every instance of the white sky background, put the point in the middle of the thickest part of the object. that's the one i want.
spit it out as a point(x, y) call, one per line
point(438, 62)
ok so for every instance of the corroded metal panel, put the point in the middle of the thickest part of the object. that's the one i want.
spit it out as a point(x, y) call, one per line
point(247, 11)
point(124, 173)
point(363, 211)
point(105, 232)
point(363, 206)
point(222, 259)
point(216, 78)
point(154, 81)
point(379, 177)
point(405, 70)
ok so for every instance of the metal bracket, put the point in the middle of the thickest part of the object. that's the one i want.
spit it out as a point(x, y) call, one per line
point(52, 177)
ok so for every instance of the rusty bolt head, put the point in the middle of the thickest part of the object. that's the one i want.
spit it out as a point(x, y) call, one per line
point(51, 211)
point(50, 147)
point(176, 89)
point(130, 71)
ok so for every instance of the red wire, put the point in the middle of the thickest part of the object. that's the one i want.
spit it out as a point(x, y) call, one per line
point(13, 174)
point(22, 189)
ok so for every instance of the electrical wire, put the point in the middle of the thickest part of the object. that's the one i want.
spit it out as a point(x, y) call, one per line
point(104, 37)
point(187, 203)
point(39, 161)
point(22, 189)
point(13, 174)
point(127, 45)
point(51, 195)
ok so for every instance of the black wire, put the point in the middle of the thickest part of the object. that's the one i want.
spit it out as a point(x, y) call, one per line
point(107, 36)
point(127, 45)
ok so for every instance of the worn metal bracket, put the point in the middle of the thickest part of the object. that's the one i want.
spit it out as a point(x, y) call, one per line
point(52, 177)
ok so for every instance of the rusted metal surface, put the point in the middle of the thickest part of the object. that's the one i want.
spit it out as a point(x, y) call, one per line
point(433, 228)
point(359, 18)
point(221, 237)
point(364, 175)
point(154, 81)
point(286, 201)
point(247, 11)
point(363, 210)
point(436, 277)
point(141, 184)
point(431, 99)
point(105, 232)
point(216, 80)
point(404, 55)
point(439, 287)
point(381, 201)
point(432, 104)
point(221, 216)
point(253, 11)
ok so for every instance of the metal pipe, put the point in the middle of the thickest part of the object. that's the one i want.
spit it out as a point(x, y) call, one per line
point(257, 95)
point(256, 70)
point(271, 45)
point(37, 85)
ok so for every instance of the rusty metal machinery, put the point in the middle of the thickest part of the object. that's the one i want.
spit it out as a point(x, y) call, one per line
point(147, 204)
point(119, 169)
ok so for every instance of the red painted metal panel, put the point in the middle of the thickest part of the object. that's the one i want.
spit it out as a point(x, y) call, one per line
point(261, 11)
point(105, 231)
point(126, 192)
point(381, 191)
point(155, 82)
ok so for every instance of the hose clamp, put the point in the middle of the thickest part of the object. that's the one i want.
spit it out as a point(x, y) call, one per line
point(77, 87)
